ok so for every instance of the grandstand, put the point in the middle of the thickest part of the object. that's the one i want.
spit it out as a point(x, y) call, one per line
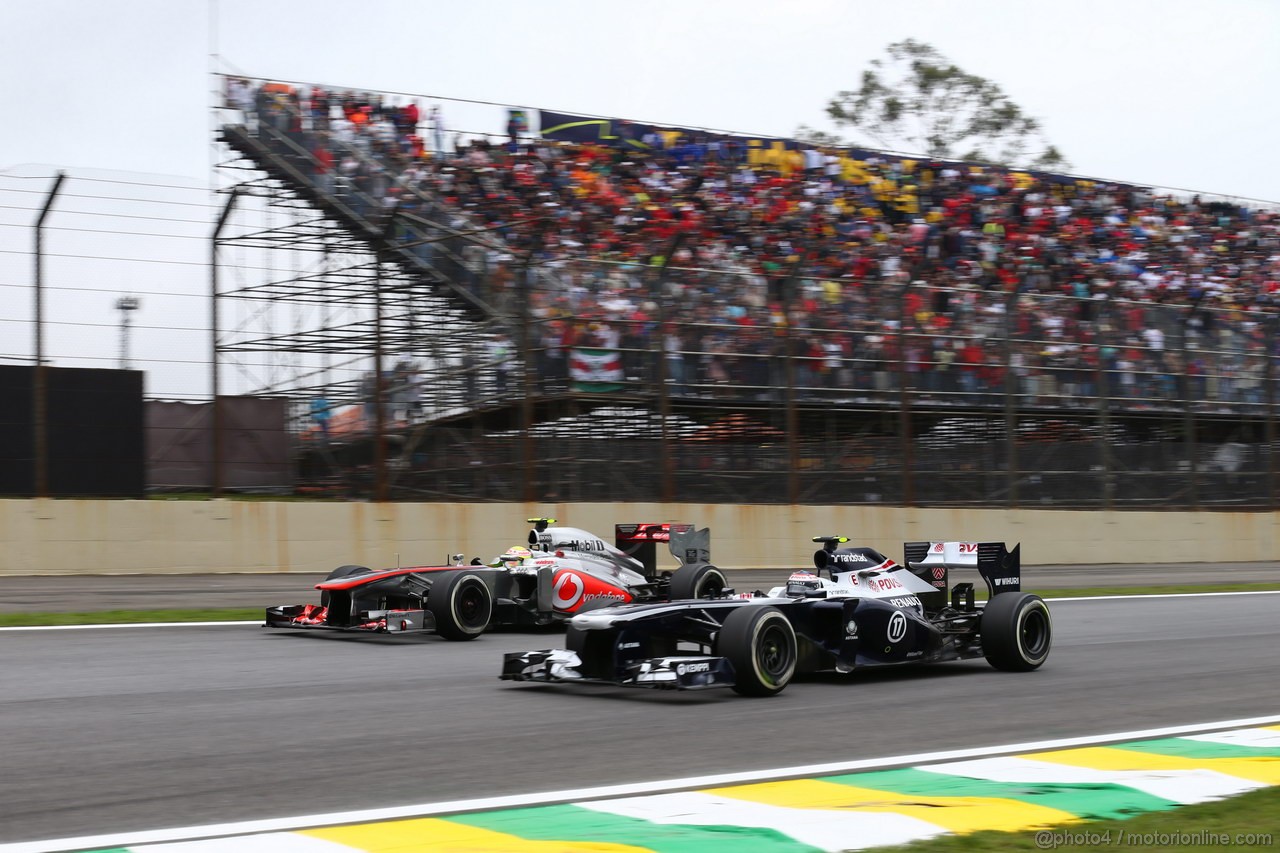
point(614, 311)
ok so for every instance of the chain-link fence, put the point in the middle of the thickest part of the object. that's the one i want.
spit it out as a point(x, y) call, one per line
point(913, 395)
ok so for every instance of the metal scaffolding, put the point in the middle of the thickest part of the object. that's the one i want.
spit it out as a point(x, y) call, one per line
point(314, 303)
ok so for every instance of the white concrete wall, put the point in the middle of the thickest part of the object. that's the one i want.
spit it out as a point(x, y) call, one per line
point(50, 537)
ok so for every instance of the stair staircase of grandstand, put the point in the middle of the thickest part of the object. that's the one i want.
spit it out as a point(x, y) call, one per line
point(282, 158)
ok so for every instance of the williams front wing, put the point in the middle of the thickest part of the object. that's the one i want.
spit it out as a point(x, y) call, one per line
point(679, 672)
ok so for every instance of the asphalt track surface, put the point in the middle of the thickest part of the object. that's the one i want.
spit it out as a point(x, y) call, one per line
point(123, 729)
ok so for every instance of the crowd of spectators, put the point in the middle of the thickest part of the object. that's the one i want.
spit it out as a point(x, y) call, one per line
point(1164, 295)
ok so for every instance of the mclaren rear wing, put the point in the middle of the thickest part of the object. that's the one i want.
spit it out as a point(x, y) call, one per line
point(999, 567)
point(687, 543)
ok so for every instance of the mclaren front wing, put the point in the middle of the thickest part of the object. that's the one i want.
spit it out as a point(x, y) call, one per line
point(315, 616)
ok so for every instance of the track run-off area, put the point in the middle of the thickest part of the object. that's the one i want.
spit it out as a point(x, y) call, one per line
point(130, 735)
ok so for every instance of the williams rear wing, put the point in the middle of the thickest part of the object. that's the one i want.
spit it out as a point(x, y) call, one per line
point(999, 567)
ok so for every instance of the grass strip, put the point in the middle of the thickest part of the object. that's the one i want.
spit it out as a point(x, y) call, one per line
point(124, 617)
point(1247, 822)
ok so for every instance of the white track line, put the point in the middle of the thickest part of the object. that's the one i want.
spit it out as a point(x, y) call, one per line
point(579, 795)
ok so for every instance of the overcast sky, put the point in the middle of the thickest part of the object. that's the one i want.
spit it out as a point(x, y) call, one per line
point(1165, 92)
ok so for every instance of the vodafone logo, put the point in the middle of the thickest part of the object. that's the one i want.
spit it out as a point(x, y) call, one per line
point(567, 591)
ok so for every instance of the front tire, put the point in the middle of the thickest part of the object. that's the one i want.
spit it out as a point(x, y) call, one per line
point(697, 581)
point(462, 606)
point(761, 645)
point(338, 574)
point(1017, 631)
point(347, 571)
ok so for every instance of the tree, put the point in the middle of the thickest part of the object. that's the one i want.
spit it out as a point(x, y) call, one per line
point(921, 102)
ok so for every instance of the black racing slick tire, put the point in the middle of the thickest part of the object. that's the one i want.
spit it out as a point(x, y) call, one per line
point(338, 574)
point(761, 645)
point(1017, 631)
point(461, 604)
point(347, 571)
point(697, 581)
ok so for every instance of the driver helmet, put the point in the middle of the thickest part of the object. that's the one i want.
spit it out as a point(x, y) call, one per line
point(515, 556)
point(801, 583)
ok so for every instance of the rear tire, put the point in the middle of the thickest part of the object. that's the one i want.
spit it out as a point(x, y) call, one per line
point(1017, 631)
point(697, 581)
point(461, 604)
point(761, 645)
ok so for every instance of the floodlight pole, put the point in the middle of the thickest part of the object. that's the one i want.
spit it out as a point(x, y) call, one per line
point(40, 387)
point(216, 462)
